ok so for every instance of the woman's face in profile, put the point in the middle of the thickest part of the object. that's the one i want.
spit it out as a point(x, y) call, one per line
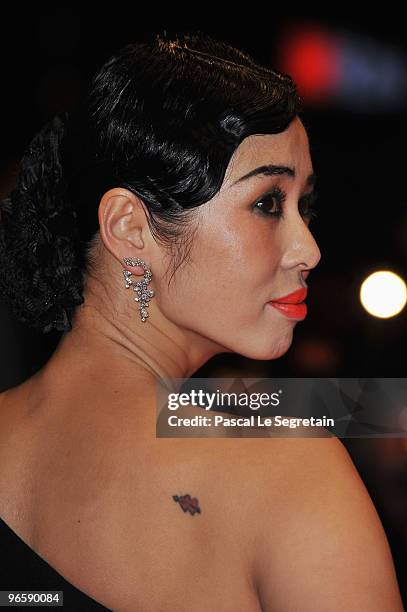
point(243, 256)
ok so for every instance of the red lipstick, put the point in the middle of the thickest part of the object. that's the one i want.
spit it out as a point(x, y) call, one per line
point(292, 304)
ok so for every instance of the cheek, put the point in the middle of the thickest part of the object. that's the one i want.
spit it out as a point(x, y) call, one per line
point(230, 271)
point(245, 251)
point(233, 256)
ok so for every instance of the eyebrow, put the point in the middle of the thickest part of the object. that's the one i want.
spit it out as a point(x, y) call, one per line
point(272, 169)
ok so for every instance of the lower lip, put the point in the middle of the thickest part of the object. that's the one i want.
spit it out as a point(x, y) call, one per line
point(293, 311)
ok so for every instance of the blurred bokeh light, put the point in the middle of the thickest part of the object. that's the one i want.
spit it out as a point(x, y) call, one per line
point(383, 294)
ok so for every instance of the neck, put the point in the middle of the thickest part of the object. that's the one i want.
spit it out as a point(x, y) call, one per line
point(115, 352)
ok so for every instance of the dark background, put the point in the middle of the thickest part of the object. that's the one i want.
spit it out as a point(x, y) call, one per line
point(358, 154)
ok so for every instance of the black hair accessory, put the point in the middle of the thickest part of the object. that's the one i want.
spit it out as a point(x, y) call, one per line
point(39, 237)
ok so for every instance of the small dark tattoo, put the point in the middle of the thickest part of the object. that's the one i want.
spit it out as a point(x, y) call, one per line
point(187, 503)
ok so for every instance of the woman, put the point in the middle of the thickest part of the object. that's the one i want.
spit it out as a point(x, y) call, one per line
point(186, 169)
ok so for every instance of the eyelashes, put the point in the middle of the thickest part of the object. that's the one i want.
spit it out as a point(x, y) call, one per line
point(278, 196)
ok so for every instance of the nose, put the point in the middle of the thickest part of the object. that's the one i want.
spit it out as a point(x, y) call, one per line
point(301, 248)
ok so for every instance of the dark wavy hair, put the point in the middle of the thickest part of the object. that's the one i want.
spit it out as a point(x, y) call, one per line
point(161, 118)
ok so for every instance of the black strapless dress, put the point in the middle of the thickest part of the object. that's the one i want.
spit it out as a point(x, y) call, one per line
point(22, 569)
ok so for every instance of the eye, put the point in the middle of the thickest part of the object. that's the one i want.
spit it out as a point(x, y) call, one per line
point(308, 203)
point(265, 203)
point(271, 204)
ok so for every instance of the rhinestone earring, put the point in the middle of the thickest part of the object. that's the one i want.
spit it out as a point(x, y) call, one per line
point(140, 287)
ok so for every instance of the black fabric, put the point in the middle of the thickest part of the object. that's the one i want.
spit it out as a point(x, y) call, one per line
point(21, 568)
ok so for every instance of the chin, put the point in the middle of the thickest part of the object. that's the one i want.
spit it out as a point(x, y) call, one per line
point(273, 350)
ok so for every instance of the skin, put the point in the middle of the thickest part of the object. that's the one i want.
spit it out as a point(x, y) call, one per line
point(81, 431)
point(238, 258)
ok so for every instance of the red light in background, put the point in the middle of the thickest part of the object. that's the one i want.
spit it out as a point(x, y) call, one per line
point(310, 55)
point(318, 356)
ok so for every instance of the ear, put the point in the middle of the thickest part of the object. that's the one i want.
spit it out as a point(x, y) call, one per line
point(123, 224)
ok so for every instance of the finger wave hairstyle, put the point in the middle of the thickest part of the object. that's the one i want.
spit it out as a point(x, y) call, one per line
point(161, 118)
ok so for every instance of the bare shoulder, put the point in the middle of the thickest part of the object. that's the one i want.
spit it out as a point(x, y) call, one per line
point(319, 542)
point(11, 419)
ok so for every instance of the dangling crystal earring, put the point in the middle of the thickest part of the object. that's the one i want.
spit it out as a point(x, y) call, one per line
point(140, 287)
